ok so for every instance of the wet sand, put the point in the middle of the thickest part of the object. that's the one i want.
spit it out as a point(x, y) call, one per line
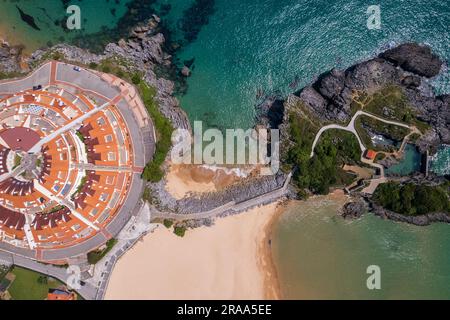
point(184, 180)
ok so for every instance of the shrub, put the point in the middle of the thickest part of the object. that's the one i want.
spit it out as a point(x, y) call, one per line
point(167, 223)
point(136, 79)
point(179, 231)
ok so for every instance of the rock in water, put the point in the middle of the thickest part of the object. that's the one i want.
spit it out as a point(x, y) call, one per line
point(28, 19)
point(186, 71)
point(354, 210)
point(414, 58)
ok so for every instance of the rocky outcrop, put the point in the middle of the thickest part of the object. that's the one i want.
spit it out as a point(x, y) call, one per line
point(414, 58)
point(144, 49)
point(143, 52)
point(247, 189)
point(10, 58)
point(330, 97)
point(354, 209)
point(423, 220)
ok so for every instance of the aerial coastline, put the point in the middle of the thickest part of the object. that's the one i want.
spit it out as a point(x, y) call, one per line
point(221, 243)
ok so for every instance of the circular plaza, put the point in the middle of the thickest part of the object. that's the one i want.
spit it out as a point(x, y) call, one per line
point(69, 170)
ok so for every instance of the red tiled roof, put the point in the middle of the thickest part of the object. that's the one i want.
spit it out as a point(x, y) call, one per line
point(20, 138)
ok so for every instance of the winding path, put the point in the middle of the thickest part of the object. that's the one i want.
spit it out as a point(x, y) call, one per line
point(351, 128)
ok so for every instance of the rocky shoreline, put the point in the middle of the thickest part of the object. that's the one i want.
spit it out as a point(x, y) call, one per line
point(423, 220)
point(330, 99)
point(142, 51)
point(408, 66)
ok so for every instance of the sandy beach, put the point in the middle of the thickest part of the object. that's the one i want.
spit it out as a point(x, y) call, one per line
point(229, 260)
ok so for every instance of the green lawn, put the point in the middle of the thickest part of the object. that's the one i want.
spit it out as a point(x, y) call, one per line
point(27, 287)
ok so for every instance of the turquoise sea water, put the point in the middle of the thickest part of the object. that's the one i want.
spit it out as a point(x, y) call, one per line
point(409, 163)
point(256, 46)
point(95, 15)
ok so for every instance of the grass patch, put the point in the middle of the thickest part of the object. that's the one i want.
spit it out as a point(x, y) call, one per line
point(17, 161)
point(163, 127)
point(391, 102)
point(31, 285)
point(390, 131)
point(96, 255)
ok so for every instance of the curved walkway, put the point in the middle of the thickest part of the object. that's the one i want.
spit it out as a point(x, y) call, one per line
point(351, 128)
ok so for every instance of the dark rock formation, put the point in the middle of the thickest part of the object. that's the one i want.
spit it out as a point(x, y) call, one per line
point(414, 58)
point(332, 84)
point(423, 220)
point(185, 71)
point(10, 57)
point(330, 97)
point(28, 19)
point(354, 209)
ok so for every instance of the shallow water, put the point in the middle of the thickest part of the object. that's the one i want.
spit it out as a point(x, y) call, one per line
point(95, 15)
point(319, 255)
point(410, 162)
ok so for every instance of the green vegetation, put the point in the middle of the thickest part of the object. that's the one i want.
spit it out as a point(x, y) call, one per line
point(379, 157)
point(136, 78)
point(80, 136)
point(179, 230)
point(168, 223)
point(413, 137)
point(17, 161)
point(82, 183)
point(390, 131)
point(30, 285)
point(93, 65)
point(323, 170)
point(411, 199)
point(391, 102)
point(56, 208)
point(96, 255)
point(3, 271)
point(152, 171)
point(10, 75)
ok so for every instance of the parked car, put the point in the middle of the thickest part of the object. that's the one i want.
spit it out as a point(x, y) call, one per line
point(38, 87)
point(77, 69)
